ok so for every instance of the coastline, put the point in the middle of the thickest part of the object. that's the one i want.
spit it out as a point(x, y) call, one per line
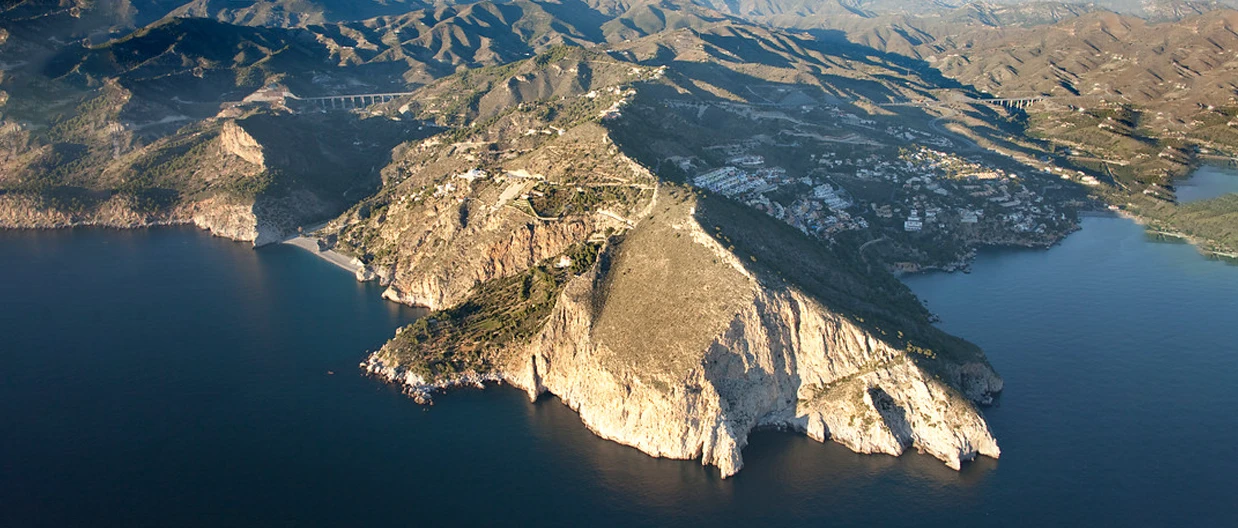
point(340, 260)
point(1199, 243)
point(964, 262)
point(1152, 226)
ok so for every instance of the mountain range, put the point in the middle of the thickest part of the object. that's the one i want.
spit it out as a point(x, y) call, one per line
point(684, 219)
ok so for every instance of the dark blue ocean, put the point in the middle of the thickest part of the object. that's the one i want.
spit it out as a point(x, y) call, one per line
point(166, 378)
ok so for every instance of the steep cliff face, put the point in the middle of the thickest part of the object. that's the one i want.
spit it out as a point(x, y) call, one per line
point(252, 179)
point(236, 141)
point(481, 245)
point(673, 344)
point(261, 222)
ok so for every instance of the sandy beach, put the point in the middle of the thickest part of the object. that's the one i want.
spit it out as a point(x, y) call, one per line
point(310, 244)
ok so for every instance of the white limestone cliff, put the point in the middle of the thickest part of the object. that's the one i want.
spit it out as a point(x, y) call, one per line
point(769, 355)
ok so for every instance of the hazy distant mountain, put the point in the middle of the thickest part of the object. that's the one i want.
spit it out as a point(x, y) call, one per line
point(1188, 60)
point(785, 11)
point(560, 180)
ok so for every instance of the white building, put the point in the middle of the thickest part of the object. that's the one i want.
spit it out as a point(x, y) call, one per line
point(731, 181)
point(913, 222)
point(750, 160)
point(472, 175)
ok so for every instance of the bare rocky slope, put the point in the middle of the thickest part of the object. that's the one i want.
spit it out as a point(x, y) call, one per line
point(253, 175)
point(676, 344)
point(551, 256)
point(672, 321)
point(499, 195)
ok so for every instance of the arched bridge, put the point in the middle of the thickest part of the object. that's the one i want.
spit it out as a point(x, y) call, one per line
point(1011, 102)
point(345, 102)
point(1026, 101)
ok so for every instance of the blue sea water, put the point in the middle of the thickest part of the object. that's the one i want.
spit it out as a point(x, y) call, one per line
point(1207, 182)
point(166, 378)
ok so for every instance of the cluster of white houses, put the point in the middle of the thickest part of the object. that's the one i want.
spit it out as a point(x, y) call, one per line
point(931, 190)
point(821, 213)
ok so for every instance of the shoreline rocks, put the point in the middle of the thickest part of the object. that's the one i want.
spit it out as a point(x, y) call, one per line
point(769, 355)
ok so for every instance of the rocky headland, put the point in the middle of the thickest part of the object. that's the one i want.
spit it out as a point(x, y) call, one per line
point(555, 254)
point(673, 342)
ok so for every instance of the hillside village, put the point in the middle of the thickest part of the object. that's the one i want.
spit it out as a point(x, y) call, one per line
point(831, 173)
point(930, 193)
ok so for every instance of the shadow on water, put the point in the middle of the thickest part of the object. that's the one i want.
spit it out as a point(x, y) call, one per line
point(781, 468)
point(515, 450)
point(157, 378)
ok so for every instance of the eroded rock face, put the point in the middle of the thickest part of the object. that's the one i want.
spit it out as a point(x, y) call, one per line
point(229, 159)
point(19, 211)
point(489, 246)
point(264, 222)
point(755, 351)
point(236, 141)
point(227, 218)
point(770, 367)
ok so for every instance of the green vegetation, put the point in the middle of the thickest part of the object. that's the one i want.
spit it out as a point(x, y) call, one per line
point(1213, 224)
point(1118, 143)
point(252, 187)
point(554, 54)
point(557, 200)
point(90, 118)
point(498, 316)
